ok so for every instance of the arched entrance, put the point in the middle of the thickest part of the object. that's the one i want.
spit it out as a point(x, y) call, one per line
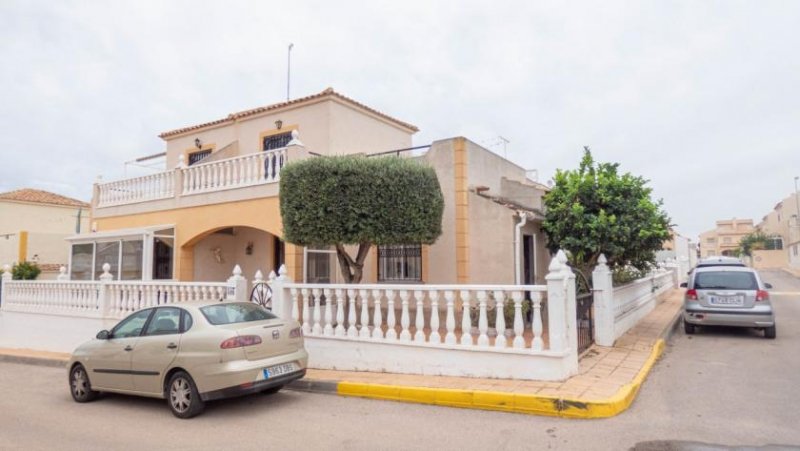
point(214, 253)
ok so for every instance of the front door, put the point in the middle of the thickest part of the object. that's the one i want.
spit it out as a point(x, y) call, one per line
point(528, 269)
point(156, 350)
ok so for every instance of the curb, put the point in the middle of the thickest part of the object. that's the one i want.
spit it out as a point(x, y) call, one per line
point(498, 401)
point(28, 360)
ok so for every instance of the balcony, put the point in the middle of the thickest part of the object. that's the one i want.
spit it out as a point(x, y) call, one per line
point(240, 177)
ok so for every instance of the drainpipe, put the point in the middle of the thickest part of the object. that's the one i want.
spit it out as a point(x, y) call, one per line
point(517, 247)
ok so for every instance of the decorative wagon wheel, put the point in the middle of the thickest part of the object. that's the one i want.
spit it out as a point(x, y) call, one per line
point(261, 294)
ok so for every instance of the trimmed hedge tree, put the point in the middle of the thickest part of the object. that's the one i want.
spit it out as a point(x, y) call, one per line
point(355, 200)
point(596, 210)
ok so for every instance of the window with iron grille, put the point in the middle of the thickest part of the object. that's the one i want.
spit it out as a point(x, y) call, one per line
point(276, 141)
point(195, 157)
point(400, 263)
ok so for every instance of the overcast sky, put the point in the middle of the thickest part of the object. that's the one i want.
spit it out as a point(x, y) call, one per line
point(702, 98)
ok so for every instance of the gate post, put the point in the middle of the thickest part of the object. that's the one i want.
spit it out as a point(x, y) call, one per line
point(237, 286)
point(281, 299)
point(603, 303)
point(561, 310)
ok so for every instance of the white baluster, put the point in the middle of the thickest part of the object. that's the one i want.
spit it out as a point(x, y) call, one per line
point(296, 305)
point(450, 319)
point(377, 319)
point(352, 331)
point(328, 329)
point(340, 331)
point(466, 320)
point(538, 343)
point(317, 330)
point(419, 333)
point(364, 332)
point(305, 311)
point(405, 335)
point(500, 319)
point(483, 320)
point(519, 341)
point(434, 337)
point(391, 332)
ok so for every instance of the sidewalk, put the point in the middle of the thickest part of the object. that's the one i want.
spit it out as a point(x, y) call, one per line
point(609, 379)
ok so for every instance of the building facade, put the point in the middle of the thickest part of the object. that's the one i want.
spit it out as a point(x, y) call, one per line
point(33, 225)
point(724, 239)
point(217, 205)
point(783, 225)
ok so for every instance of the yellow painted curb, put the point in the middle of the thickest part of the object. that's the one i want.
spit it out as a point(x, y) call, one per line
point(509, 402)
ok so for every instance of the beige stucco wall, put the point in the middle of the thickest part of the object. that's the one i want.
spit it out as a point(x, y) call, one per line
point(327, 127)
point(46, 226)
point(763, 259)
point(725, 237)
point(233, 252)
point(442, 254)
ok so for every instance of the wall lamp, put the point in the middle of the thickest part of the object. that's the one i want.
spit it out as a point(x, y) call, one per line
point(198, 143)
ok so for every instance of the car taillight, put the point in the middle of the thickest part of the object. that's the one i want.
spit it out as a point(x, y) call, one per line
point(691, 295)
point(297, 332)
point(762, 295)
point(238, 342)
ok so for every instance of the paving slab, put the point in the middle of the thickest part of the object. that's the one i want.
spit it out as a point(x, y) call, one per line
point(607, 383)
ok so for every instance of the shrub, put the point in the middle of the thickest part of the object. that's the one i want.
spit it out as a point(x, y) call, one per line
point(25, 271)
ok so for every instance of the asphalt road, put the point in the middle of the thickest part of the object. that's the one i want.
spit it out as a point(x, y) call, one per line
point(723, 386)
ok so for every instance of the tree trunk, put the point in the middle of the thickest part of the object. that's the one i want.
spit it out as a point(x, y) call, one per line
point(352, 270)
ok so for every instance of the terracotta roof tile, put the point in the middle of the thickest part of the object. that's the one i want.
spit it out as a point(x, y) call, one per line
point(41, 197)
point(246, 113)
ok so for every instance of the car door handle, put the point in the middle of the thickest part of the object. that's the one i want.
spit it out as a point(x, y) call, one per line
point(172, 346)
point(128, 348)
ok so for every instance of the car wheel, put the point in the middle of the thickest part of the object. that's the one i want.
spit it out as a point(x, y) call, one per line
point(182, 396)
point(272, 390)
point(80, 386)
point(770, 332)
point(689, 328)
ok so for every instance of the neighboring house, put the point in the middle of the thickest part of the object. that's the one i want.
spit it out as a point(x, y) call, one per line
point(33, 225)
point(724, 239)
point(680, 248)
point(218, 205)
point(783, 226)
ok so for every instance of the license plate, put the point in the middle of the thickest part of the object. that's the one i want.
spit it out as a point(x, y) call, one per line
point(726, 300)
point(279, 370)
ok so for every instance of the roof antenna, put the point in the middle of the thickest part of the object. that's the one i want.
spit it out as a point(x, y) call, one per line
point(288, 70)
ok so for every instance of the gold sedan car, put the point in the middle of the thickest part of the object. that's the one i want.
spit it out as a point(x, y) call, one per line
point(190, 353)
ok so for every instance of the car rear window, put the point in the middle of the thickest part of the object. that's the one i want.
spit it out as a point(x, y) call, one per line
point(219, 314)
point(725, 280)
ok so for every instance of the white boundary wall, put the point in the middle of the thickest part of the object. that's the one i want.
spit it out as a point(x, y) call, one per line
point(618, 309)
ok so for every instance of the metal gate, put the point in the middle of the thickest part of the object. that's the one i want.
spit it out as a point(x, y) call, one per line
point(584, 300)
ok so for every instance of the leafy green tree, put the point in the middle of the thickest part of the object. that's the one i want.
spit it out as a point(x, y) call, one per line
point(355, 200)
point(596, 210)
point(756, 240)
point(25, 271)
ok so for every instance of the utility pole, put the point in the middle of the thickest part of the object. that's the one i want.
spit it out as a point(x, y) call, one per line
point(288, 70)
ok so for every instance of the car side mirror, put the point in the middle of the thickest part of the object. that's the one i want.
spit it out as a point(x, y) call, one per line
point(684, 284)
point(768, 286)
point(103, 335)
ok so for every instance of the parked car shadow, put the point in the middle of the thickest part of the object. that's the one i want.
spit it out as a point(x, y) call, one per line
point(743, 333)
point(244, 406)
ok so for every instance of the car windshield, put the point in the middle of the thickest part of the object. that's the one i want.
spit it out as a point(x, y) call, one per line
point(725, 280)
point(219, 314)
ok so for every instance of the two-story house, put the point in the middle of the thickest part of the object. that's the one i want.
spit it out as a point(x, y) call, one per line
point(217, 205)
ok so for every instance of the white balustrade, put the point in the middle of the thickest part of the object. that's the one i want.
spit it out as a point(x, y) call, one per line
point(357, 305)
point(139, 189)
point(110, 299)
point(237, 172)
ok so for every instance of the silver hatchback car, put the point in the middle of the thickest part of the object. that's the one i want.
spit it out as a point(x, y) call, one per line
point(727, 296)
point(190, 353)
